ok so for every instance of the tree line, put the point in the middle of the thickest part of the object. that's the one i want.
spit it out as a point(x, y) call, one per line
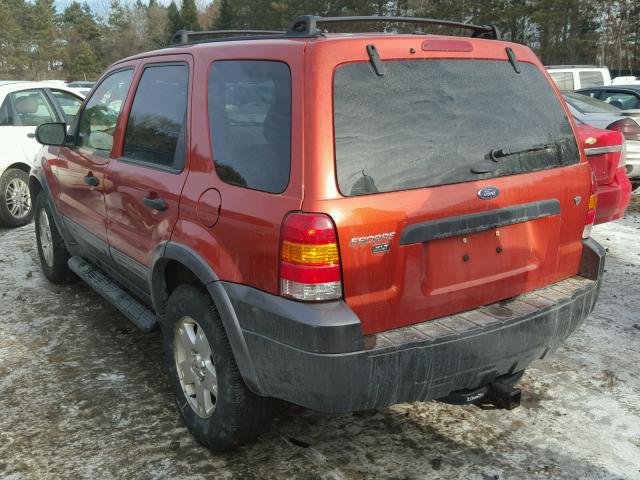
point(37, 42)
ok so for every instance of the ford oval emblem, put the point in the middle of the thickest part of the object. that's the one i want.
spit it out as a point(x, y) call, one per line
point(488, 193)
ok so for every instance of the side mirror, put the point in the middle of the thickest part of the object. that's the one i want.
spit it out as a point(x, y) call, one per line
point(52, 134)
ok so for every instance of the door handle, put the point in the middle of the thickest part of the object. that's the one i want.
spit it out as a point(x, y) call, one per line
point(155, 203)
point(91, 180)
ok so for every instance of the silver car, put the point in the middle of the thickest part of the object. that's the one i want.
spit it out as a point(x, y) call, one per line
point(602, 115)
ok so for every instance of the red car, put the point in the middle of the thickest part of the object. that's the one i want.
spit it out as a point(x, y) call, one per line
point(344, 222)
point(606, 154)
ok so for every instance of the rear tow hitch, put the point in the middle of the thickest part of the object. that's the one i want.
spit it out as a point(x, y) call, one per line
point(499, 394)
point(502, 396)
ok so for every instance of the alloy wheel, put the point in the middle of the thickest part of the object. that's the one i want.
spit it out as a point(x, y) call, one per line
point(46, 243)
point(17, 198)
point(195, 366)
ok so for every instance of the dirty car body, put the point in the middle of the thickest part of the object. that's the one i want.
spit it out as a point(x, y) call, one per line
point(355, 258)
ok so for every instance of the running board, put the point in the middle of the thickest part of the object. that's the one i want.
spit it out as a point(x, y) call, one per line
point(137, 313)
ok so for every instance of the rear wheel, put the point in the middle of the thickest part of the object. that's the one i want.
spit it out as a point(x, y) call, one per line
point(51, 248)
point(15, 201)
point(217, 407)
point(634, 185)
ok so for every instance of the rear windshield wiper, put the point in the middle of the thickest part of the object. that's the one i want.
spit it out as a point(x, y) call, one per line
point(497, 154)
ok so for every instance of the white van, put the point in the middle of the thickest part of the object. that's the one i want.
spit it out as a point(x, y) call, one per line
point(573, 77)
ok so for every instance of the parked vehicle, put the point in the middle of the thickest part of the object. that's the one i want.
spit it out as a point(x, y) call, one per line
point(626, 80)
point(572, 77)
point(81, 88)
point(344, 222)
point(605, 150)
point(24, 106)
point(602, 115)
point(623, 97)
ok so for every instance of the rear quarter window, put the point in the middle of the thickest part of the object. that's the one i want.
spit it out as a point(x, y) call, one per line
point(433, 122)
point(591, 79)
point(564, 81)
point(250, 123)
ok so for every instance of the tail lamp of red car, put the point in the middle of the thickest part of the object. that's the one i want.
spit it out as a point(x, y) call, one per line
point(309, 258)
point(591, 212)
point(627, 127)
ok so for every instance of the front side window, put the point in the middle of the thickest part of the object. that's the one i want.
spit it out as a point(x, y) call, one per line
point(436, 122)
point(69, 104)
point(156, 130)
point(28, 108)
point(250, 123)
point(100, 115)
point(564, 81)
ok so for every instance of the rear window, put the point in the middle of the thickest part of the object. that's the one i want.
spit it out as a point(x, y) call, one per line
point(591, 79)
point(585, 104)
point(437, 122)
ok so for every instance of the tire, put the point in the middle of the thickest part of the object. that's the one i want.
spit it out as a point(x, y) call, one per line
point(236, 415)
point(634, 185)
point(16, 208)
point(51, 248)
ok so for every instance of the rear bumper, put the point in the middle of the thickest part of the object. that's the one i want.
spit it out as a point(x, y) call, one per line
point(613, 198)
point(299, 362)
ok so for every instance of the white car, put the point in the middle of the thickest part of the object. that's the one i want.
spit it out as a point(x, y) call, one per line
point(24, 106)
point(572, 77)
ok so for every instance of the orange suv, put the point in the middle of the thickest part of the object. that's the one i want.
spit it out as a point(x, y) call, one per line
point(341, 221)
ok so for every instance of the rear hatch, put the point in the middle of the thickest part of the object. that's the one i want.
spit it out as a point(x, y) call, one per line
point(461, 185)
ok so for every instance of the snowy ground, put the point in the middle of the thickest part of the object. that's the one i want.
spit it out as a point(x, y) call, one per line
point(84, 395)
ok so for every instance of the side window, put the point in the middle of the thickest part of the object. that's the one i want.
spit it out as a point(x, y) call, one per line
point(6, 112)
point(623, 101)
point(591, 79)
point(156, 126)
point(99, 117)
point(564, 81)
point(30, 108)
point(250, 123)
point(68, 103)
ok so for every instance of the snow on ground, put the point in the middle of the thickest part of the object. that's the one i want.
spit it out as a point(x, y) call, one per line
point(84, 395)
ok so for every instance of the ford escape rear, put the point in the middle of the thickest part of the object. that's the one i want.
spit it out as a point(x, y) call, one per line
point(343, 222)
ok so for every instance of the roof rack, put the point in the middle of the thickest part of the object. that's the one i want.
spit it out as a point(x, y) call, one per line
point(307, 25)
point(572, 66)
point(185, 36)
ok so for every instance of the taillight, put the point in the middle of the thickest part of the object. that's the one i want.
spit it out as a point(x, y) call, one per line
point(591, 212)
point(309, 258)
point(629, 128)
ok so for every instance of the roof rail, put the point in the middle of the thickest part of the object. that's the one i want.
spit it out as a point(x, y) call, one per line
point(185, 36)
point(307, 25)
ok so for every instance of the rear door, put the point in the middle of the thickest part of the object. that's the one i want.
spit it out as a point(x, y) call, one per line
point(461, 183)
point(144, 182)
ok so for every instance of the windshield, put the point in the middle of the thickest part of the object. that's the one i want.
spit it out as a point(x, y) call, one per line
point(585, 104)
point(433, 122)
